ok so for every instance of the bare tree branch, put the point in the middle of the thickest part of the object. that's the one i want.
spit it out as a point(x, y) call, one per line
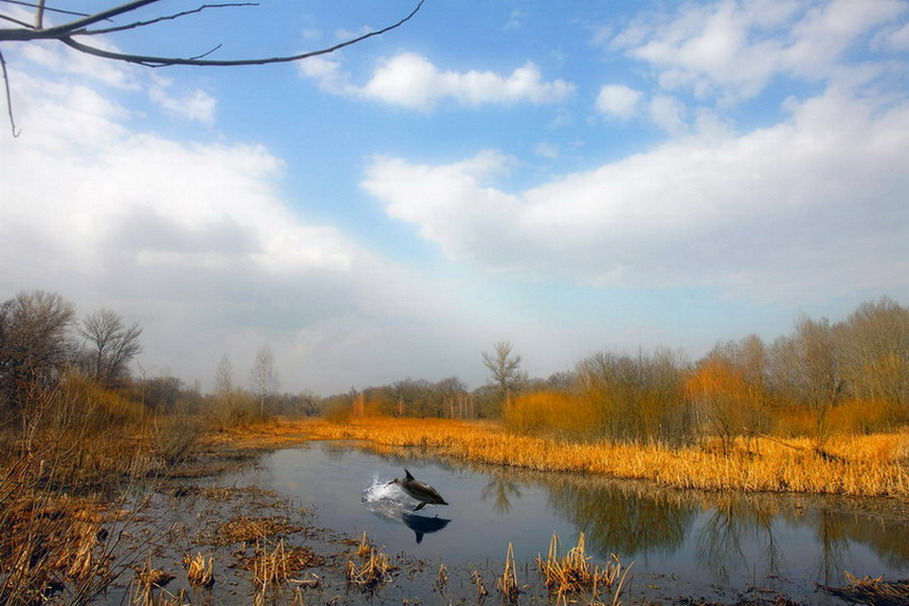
point(67, 33)
point(152, 61)
point(108, 30)
point(9, 99)
point(47, 9)
point(56, 32)
point(39, 15)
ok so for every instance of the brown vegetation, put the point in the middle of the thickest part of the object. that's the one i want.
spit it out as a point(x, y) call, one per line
point(373, 570)
point(573, 574)
point(873, 591)
point(876, 465)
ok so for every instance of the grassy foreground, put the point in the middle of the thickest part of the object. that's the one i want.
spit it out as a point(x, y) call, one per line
point(872, 465)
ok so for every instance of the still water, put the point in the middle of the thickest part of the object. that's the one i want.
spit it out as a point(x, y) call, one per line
point(691, 540)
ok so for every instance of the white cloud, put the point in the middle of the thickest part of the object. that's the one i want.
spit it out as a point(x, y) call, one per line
point(410, 80)
point(197, 105)
point(195, 243)
point(548, 150)
point(732, 50)
point(618, 100)
point(815, 202)
point(668, 113)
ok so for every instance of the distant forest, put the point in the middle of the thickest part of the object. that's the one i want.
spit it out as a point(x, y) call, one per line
point(825, 377)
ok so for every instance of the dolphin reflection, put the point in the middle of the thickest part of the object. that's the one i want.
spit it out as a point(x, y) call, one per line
point(421, 525)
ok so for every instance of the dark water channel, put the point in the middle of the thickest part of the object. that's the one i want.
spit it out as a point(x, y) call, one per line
point(681, 542)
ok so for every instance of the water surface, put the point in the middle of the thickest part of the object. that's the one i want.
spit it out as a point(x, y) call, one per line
point(681, 542)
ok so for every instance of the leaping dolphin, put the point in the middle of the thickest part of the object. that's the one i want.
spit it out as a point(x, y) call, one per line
point(421, 491)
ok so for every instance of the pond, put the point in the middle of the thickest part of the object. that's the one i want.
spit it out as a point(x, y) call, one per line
point(680, 542)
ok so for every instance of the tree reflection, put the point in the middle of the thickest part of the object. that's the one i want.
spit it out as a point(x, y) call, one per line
point(734, 523)
point(502, 488)
point(622, 520)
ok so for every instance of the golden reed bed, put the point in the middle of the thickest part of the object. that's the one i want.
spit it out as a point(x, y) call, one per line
point(874, 465)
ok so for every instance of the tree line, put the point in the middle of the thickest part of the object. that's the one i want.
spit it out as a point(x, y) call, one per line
point(851, 375)
point(44, 345)
point(823, 377)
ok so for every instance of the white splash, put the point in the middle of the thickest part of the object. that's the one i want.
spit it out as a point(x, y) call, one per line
point(381, 492)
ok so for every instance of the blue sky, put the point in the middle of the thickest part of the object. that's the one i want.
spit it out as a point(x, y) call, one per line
point(569, 177)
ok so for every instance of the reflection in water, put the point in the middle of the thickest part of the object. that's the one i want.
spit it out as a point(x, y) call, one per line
point(503, 487)
point(621, 520)
point(386, 501)
point(707, 539)
point(731, 535)
point(734, 522)
point(423, 524)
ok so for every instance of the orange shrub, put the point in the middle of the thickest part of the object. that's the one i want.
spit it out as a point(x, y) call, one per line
point(859, 415)
point(551, 411)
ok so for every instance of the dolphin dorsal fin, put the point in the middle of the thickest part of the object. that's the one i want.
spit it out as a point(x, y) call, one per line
point(407, 474)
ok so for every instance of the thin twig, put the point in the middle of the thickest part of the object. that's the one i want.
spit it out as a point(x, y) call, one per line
point(9, 99)
point(120, 28)
point(17, 22)
point(47, 9)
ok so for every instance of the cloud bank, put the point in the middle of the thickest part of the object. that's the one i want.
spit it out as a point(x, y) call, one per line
point(411, 81)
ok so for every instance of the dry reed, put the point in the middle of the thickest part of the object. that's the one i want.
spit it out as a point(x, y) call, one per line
point(374, 569)
point(477, 579)
point(572, 573)
point(199, 570)
point(874, 465)
point(507, 584)
point(874, 591)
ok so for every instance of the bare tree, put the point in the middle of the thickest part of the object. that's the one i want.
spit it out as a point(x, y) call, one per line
point(110, 347)
point(224, 378)
point(504, 368)
point(876, 351)
point(808, 368)
point(79, 26)
point(35, 344)
point(262, 376)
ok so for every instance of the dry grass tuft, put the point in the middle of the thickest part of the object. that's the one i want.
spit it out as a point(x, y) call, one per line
point(872, 591)
point(374, 569)
point(573, 574)
point(199, 570)
point(364, 548)
point(245, 529)
point(277, 566)
point(145, 583)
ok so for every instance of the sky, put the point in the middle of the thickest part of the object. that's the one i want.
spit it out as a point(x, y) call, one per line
point(569, 177)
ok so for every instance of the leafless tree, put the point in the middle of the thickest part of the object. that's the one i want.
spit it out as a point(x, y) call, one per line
point(504, 368)
point(224, 378)
point(262, 376)
point(110, 347)
point(35, 344)
point(808, 368)
point(876, 351)
point(78, 26)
